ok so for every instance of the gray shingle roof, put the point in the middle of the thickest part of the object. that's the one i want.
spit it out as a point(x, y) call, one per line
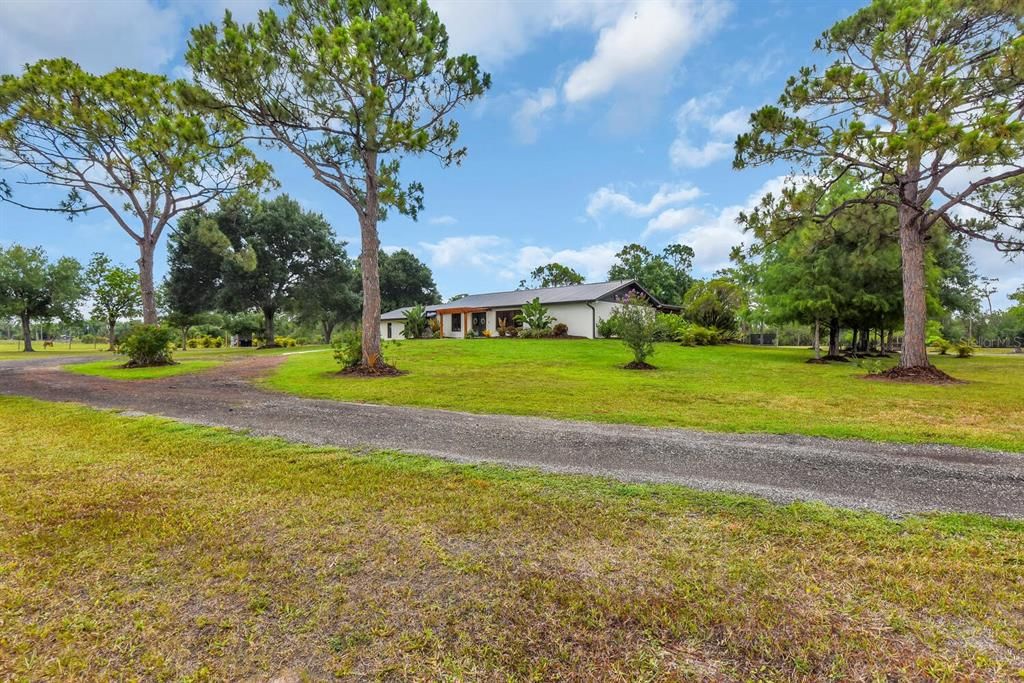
point(547, 295)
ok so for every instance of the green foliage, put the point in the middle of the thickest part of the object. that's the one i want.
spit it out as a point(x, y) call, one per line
point(560, 330)
point(666, 276)
point(152, 147)
point(531, 332)
point(415, 323)
point(964, 348)
point(555, 275)
point(637, 327)
point(205, 342)
point(114, 290)
point(405, 281)
point(351, 88)
point(534, 314)
point(32, 287)
point(715, 304)
point(920, 92)
point(148, 345)
point(348, 348)
point(608, 327)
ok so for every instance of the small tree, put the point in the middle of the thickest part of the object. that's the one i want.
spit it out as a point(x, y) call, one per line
point(715, 303)
point(328, 294)
point(349, 88)
point(636, 324)
point(115, 293)
point(534, 315)
point(32, 287)
point(415, 322)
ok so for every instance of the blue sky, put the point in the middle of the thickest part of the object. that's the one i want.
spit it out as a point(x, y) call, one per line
point(607, 123)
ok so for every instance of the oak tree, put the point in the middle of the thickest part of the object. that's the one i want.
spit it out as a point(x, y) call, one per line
point(114, 291)
point(32, 287)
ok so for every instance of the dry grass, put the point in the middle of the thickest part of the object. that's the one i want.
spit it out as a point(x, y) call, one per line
point(141, 548)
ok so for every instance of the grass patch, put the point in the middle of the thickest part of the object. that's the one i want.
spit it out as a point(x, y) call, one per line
point(12, 349)
point(726, 388)
point(143, 548)
point(114, 369)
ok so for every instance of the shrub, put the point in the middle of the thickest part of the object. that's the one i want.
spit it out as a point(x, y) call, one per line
point(535, 314)
point(415, 323)
point(488, 334)
point(560, 330)
point(637, 325)
point(348, 347)
point(714, 304)
point(512, 331)
point(534, 333)
point(941, 345)
point(668, 326)
point(148, 345)
point(964, 348)
point(608, 327)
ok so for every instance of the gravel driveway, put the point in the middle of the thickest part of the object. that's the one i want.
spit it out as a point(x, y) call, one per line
point(890, 478)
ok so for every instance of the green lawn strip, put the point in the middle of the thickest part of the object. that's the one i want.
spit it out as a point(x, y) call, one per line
point(143, 548)
point(727, 388)
point(114, 369)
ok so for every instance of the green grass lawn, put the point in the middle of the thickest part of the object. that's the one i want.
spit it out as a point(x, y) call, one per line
point(727, 388)
point(12, 349)
point(139, 548)
point(114, 369)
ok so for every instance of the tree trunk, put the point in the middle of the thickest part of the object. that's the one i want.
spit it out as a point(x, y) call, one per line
point(328, 329)
point(146, 248)
point(833, 337)
point(184, 338)
point(110, 336)
point(371, 292)
point(915, 311)
point(817, 339)
point(26, 332)
point(269, 339)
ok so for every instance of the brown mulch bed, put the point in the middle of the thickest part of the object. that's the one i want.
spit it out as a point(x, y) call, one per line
point(378, 371)
point(633, 365)
point(917, 375)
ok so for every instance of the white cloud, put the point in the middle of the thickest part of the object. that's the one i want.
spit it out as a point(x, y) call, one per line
point(682, 153)
point(703, 114)
point(145, 36)
point(644, 44)
point(476, 250)
point(533, 109)
point(497, 255)
point(101, 35)
point(673, 219)
point(499, 30)
point(712, 239)
point(607, 199)
point(443, 220)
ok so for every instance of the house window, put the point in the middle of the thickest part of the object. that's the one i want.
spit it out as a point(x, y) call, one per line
point(506, 319)
point(389, 330)
point(456, 322)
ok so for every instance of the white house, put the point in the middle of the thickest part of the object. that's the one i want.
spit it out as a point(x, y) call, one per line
point(580, 307)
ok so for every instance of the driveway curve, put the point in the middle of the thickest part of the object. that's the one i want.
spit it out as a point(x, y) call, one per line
point(893, 479)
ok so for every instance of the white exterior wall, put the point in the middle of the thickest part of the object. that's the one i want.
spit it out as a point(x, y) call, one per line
point(396, 329)
point(577, 316)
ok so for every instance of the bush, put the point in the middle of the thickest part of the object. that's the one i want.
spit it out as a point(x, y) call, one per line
point(148, 345)
point(941, 345)
point(637, 325)
point(348, 347)
point(535, 315)
point(534, 333)
point(714, 304)
point(560, 330)
point(608, 327)
point(964, 348)
point(415, 323)
point(668, 326)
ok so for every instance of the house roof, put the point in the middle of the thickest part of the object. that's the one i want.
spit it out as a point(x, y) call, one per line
point(547, 295)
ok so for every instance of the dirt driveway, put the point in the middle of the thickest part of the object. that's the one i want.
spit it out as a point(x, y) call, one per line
point(889, 478)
